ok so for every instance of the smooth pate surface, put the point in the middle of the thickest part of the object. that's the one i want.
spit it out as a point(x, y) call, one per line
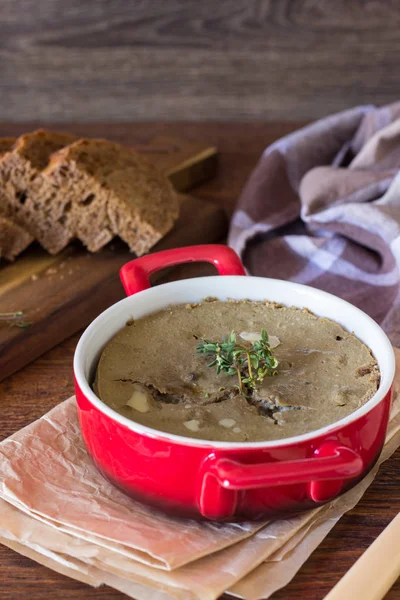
point(324, 373)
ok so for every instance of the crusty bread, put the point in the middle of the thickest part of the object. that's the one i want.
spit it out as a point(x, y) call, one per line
point(6, 144)
point(19, 166)
point(96, 189)
point(13, 238)
point(59, 188)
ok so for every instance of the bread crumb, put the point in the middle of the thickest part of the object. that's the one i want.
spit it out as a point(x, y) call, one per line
point(34, 277)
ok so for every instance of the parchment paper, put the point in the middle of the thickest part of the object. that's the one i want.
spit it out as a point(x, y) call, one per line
point(45, 469)
point(205, 578)
point(249, 563)
point(77, 569)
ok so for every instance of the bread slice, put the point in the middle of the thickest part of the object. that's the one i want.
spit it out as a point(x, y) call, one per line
point(19, 166)
point(13, 238)
point(96, 189)
point(6, 144)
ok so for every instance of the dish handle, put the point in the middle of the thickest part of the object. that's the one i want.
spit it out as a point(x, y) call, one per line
point(221, 478)
point(135, 275)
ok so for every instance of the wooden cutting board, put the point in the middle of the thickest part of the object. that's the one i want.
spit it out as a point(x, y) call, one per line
point(61, 294)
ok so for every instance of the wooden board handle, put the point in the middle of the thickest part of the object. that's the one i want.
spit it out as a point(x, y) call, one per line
point(374, 573)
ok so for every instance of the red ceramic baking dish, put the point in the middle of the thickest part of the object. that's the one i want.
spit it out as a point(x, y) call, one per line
point(222, 480)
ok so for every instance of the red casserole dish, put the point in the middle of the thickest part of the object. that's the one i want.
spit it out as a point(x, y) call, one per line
point(222, 480)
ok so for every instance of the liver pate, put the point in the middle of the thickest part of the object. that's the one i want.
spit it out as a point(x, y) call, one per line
point(151, 373)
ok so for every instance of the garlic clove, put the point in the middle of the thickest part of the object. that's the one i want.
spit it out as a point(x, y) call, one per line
point(139, 401)
point(250, 336)
point(274, 341)
point(255, 336)
point(228, 423)
point(192, 425)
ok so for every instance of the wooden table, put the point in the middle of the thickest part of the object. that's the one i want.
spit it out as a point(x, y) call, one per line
point(29, 393)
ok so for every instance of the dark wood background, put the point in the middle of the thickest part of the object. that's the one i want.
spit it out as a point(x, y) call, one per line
point(129, 60)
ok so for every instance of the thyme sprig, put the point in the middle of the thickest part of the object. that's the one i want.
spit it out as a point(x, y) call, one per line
point(251, 364)
point(15, 318)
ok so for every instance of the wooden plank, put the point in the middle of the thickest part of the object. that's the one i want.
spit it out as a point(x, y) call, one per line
point(227, 60)
point(187, 164)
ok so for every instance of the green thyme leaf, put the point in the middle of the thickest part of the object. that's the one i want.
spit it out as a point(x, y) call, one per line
point(250, 364)
point(15, 318)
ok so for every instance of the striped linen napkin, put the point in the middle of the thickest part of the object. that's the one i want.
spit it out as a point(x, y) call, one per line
point(322, 207)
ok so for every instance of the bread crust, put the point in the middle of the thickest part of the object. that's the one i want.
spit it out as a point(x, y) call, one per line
point(59, 188)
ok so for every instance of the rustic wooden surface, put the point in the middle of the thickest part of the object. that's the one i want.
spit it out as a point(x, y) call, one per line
point(38, 387)
point(71, 289)
point(190, 60)
point(61, 294)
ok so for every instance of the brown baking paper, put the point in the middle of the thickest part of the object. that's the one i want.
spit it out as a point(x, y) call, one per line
point(222, 568)
point(46, 470)
point(78, 570)
point(252, 566)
